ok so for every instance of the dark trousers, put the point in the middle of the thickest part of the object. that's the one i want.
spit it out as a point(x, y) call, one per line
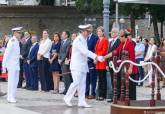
point(45, 75)
point(21, 77)
point(91, 80)
point(109, 85)
point(102, 83)
point(141, 70)
point(26, 68)
point(34, 77)
point(67, 79)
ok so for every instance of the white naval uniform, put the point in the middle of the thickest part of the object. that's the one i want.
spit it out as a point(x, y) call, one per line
point(11, 62)
point(79, 68)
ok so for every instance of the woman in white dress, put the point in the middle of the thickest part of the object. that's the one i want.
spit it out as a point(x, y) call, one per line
point(151, 52)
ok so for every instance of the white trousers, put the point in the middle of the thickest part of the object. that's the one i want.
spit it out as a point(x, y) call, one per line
point(13, 78)
point(79, 84)
point(150, 76)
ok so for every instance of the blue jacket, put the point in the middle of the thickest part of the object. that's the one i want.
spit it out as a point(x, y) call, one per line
point(91, 42)
point(33, 56)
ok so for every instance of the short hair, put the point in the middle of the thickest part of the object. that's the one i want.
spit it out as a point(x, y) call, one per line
point(67, 33)
point(47, 30)
point(146, 40)
point(101, 28)
point(140, 37)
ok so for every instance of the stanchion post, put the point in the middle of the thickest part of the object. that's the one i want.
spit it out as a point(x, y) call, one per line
point(158, 95)
point(127, 100)
point(115, 81)
point(152, 101)
point(123, 70)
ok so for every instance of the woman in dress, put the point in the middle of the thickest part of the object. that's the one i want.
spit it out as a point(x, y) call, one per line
point(151, 52)
point(101, 49)
point(53, 60)
point(126, 45)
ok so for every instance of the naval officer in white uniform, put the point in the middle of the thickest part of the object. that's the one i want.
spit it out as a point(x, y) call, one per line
point(79, 67)
point(12, 64)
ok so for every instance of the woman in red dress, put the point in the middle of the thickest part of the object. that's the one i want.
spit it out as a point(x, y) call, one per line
point(127, 45)
point(101, 50)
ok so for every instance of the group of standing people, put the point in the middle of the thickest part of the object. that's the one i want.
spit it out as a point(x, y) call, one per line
point(81, 61)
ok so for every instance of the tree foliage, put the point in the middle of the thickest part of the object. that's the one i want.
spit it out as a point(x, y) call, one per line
point(137, 10)
point(93, 6)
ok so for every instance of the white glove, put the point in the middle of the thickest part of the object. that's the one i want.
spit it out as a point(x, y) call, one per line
point(3, 70)
point(100, 58)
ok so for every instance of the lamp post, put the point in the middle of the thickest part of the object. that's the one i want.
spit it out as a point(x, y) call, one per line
point(136, 31)
point(106, 12)
point(122, 21)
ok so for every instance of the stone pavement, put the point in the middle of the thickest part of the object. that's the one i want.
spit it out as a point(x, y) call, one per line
point(37, 102)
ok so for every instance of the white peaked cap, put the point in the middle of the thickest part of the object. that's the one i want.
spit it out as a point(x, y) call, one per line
point(85, 27)
point(17, 29)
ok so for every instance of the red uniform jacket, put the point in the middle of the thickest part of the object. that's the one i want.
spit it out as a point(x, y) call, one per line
point(101, 49)
point(128, 46)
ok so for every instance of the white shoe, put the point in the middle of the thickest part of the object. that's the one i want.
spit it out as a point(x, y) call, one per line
point(12, 101)
point(84, 105)
point(68, 103)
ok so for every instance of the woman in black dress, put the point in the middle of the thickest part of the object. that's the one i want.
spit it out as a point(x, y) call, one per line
point(53, 60)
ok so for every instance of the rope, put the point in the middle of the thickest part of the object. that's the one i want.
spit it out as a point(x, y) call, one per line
point(111, 65)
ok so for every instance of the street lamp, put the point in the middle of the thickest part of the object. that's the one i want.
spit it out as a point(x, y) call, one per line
point(106, 12)
point(136, 31)
point(122, 21)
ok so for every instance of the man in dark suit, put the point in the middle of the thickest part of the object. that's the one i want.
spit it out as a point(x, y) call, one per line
point(61, 59)
point(114, 44)
point(24, 54)
point(91, 75)
point(33, 63)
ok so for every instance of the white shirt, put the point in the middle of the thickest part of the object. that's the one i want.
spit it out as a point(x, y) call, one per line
point(140, 47)
point(80, 54)
point(150, 52)
point(45, 47)
point(113, 41)
point(2, 50)
point(12, 55)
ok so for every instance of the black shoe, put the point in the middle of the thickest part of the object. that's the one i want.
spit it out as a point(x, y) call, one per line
point(24, 87)
point(63, 92)
point(2, 94)
point(100, 98)
point(109, 100)
point(19, 86)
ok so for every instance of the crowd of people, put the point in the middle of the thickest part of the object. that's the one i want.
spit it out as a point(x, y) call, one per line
point(63, 57)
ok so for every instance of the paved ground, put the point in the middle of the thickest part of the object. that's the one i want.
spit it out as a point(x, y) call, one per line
point(36, 102)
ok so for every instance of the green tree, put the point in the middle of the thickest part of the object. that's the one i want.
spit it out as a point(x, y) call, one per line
point(158, 15)
point(135, 11)
point(93, 6)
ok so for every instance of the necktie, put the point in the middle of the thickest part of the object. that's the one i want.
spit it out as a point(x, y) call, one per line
point(112, 42)
point(30, 50)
